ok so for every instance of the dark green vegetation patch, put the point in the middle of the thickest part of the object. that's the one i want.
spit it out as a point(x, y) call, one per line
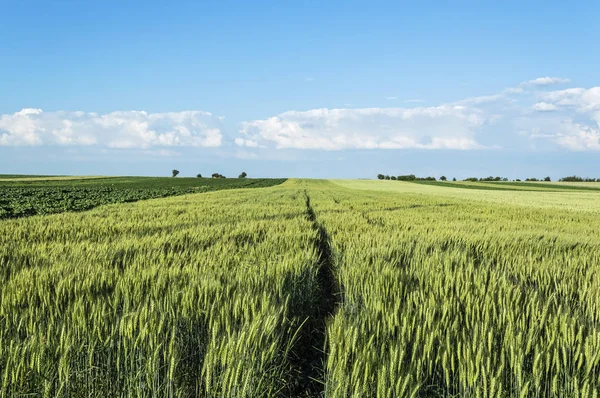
point(17, 176)
point(27, 198)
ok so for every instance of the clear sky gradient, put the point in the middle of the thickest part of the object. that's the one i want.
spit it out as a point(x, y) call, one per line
point(306, 88)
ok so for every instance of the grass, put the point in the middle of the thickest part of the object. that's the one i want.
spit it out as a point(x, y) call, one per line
point(309, 288)
point(513, 186)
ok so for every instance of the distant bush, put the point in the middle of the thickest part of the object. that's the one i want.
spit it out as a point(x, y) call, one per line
point(490, 178)
point(380, 176)
point(443, 178)
point(547, 179)
point(387, 177)
point(571, 179)
point(578, 179)
point(531, 179)
point(217, 175)
point(198, 175)
point(393, 178)
point(472, 179)
point(412, 177)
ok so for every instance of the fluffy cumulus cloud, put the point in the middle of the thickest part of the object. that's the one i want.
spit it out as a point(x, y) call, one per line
point(531, 115)
point(577, 126)
point(442, 127)
point(129, 129)
point(527, 116)
point(579, 98)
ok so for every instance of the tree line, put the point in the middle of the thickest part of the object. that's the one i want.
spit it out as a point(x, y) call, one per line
point(175, 173)
point(412, 177)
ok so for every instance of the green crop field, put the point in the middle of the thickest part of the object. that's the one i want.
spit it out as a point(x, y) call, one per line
point(29, 196)
point(515, 186)
point(305, 288)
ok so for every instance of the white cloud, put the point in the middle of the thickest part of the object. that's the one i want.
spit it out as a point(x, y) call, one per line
point(543, 107)
point(545, 81)
point(443, 127)
point(578, 137)
point(246, 142)
point(575, 120)
point(528, 116)
point(414, 100)
point(22, 128)
point(390, 98)
point(567, 97)
point(128, 129)
point(522, 117)
point(583, 100)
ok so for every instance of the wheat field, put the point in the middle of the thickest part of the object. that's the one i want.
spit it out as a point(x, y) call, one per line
point(309, 288)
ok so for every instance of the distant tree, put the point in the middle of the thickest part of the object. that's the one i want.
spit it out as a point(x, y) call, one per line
point(454, 179)
point(387, 177)
point(217, 175)
point(531, 179)
point(393, 178)
point(505, 179)
point(198, 175)
point(571, 179)
point(517, 180)
point(380, 176)
point(409, 177)
point(547, 179)
point(491, 178)
point(472, 179)
point(243, 175)
point(175, 172)
point(443, 178)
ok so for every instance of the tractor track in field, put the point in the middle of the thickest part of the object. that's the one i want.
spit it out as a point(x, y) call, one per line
point(311, 351)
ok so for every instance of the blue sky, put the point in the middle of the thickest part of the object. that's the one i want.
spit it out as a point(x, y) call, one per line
point(316, 89)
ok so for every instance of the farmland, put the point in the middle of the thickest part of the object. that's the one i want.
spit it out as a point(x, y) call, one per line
point(515, 186)
point(308, 288)
point(31, 195)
